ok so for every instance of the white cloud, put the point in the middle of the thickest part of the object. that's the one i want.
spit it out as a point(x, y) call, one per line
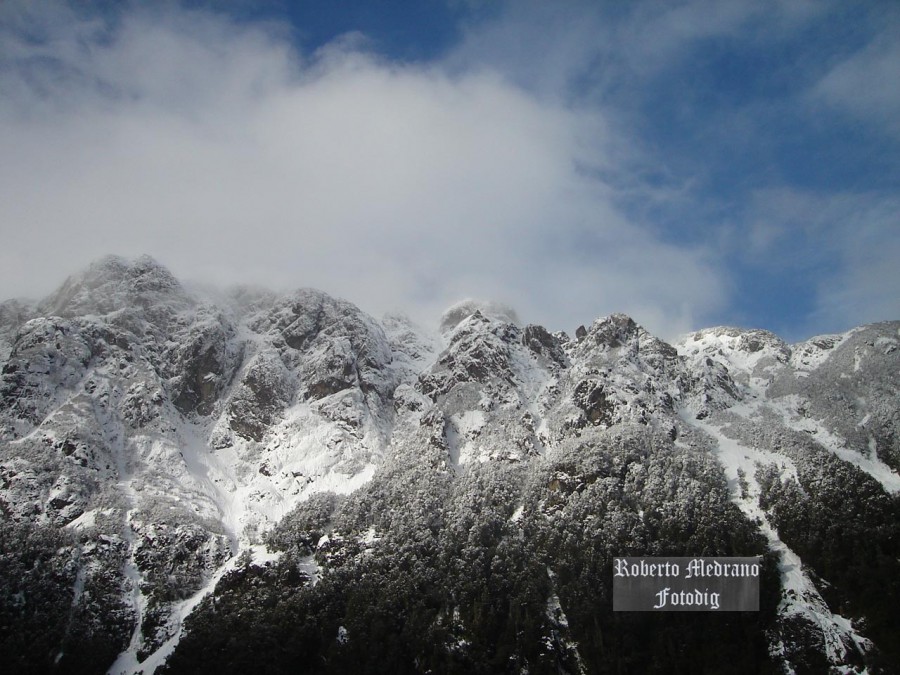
point(218, 149)
point(866, 84)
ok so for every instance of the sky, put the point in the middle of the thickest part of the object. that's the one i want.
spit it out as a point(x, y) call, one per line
point(688, 162)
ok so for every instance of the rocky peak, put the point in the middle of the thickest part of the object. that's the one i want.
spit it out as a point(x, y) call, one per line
point(478, 351)
point(540, 341)
point(618, 338)
point(754, 343)
point(751, 358)
point(456, 313)
point(114, 283)
point(333, 343)
point(613, 331)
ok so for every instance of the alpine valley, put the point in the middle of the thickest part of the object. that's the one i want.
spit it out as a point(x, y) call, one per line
point(245, 482)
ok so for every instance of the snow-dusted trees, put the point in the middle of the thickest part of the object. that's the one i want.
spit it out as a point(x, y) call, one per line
point(503, 567)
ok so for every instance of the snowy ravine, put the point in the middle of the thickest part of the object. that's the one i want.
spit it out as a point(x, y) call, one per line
point(798, 594)
point(128, 664)
point(158, 442)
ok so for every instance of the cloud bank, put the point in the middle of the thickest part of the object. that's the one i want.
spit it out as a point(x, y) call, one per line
point(232, 156)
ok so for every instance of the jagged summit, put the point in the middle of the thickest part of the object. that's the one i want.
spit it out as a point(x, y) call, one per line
point(114, 283)
point(753, 343)
point(161, 439)
point(465, 308)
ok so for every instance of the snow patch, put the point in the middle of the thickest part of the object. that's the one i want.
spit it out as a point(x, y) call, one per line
point(807, 356)
point(789, 408)
point(87, 520)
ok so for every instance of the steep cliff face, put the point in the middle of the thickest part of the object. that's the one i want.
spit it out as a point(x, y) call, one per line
point(195, 473)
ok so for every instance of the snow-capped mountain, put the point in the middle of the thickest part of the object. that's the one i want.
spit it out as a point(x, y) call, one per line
point(252, 482)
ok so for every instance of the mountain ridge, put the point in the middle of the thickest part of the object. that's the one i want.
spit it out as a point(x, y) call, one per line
point(167, 436)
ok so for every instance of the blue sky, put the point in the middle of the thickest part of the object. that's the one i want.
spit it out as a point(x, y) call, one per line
point(406, 31)
point(691, 163)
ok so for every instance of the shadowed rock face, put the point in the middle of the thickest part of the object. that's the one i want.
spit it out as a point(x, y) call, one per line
point(48, 354)
point(264, 391)
point(541, 342)
point(149, 435)
point(200, 365)
point(590, 398)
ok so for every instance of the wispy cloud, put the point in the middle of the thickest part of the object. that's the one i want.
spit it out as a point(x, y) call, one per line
point(865, 84)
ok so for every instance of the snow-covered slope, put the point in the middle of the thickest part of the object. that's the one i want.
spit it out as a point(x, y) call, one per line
point(164, 432)
point(135, 410)
point(840, 389)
